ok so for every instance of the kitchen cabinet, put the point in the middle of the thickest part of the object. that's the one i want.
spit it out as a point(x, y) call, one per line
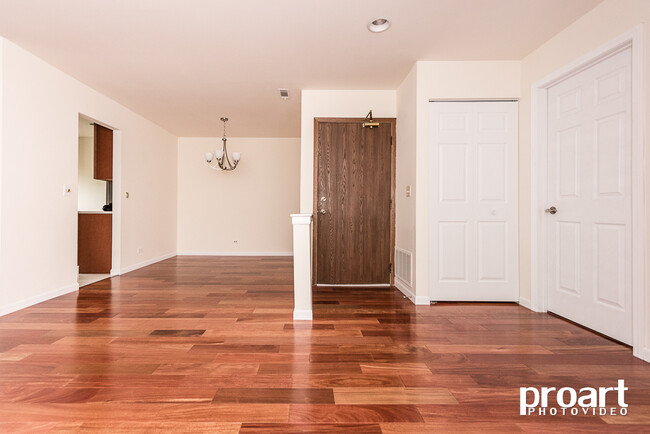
point(94, 247)
point(103, 153)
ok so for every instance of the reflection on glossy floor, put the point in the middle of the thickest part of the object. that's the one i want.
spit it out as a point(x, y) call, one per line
point(87, 279)
point(208, 344)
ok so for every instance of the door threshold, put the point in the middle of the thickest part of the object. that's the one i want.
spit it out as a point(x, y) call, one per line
point(357, 285)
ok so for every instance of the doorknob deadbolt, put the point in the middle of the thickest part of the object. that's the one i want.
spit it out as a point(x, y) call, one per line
point(551, 210)
point(323, 199)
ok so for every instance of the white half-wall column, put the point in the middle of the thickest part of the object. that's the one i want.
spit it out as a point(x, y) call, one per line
point(302, 307)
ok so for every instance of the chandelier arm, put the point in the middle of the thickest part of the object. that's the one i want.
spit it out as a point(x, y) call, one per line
point(219, 166)
point(225, 152)
point(215, 166)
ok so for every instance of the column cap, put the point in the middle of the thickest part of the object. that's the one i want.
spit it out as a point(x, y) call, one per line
point(301, 219)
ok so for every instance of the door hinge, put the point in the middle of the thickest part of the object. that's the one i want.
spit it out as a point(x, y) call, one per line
point(390, 267)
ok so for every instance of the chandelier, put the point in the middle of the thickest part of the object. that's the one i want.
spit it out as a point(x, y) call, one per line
point(223, 161)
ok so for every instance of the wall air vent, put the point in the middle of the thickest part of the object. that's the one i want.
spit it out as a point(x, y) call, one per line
point(403, 269)
point(284, 93)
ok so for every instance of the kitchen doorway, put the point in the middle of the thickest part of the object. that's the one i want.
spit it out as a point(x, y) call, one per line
point(95, 202)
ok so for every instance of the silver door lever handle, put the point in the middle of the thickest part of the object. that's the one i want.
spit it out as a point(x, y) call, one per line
point(551, 210)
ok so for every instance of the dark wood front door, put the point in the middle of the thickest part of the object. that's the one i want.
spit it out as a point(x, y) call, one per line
point(353, 201)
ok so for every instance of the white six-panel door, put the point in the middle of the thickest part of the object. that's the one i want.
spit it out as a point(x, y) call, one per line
point(473, 201)
point(589, 175)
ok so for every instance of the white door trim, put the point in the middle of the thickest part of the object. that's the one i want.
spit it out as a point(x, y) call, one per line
point(632, 39)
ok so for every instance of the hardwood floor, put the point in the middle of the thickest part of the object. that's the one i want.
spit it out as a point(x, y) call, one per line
point(207, 344)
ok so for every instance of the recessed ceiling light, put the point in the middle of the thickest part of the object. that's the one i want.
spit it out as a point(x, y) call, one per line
point(378, 25)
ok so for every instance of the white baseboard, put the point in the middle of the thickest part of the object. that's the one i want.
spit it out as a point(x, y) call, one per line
point(404, 289)
point(525, 302)
point(204, 253)
point(21, 304)
point(147, 262)
point(422, 300)
point(418, 300)
point(354, 285)
point(303, 315)
point(642, 353)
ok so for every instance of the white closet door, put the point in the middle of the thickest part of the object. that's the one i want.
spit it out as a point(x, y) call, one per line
point(589, 174)
point(473, 201)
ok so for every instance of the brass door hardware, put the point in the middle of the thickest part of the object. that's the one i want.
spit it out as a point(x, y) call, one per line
point(369, 121)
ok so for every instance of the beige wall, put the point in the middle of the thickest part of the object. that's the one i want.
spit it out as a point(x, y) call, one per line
point(149, 165)
point(92, 192)
point(334, 103)
point(438, 80)
point(250, 205)
point(329, 103)
point(405, 168)
point(602, 24)
point(40, 111)
point(2, 84)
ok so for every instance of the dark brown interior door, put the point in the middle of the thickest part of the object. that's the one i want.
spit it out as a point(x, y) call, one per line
point(353, 202)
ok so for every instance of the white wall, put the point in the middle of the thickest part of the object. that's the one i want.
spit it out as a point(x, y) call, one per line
point(334, 103)
point(40, 111)
point(91, 191)
point(251, 204)
point(602, 24)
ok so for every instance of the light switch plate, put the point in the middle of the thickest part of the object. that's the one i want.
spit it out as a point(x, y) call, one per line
point(66, 189)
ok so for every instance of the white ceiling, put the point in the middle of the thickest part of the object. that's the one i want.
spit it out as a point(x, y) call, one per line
point(185, 63)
